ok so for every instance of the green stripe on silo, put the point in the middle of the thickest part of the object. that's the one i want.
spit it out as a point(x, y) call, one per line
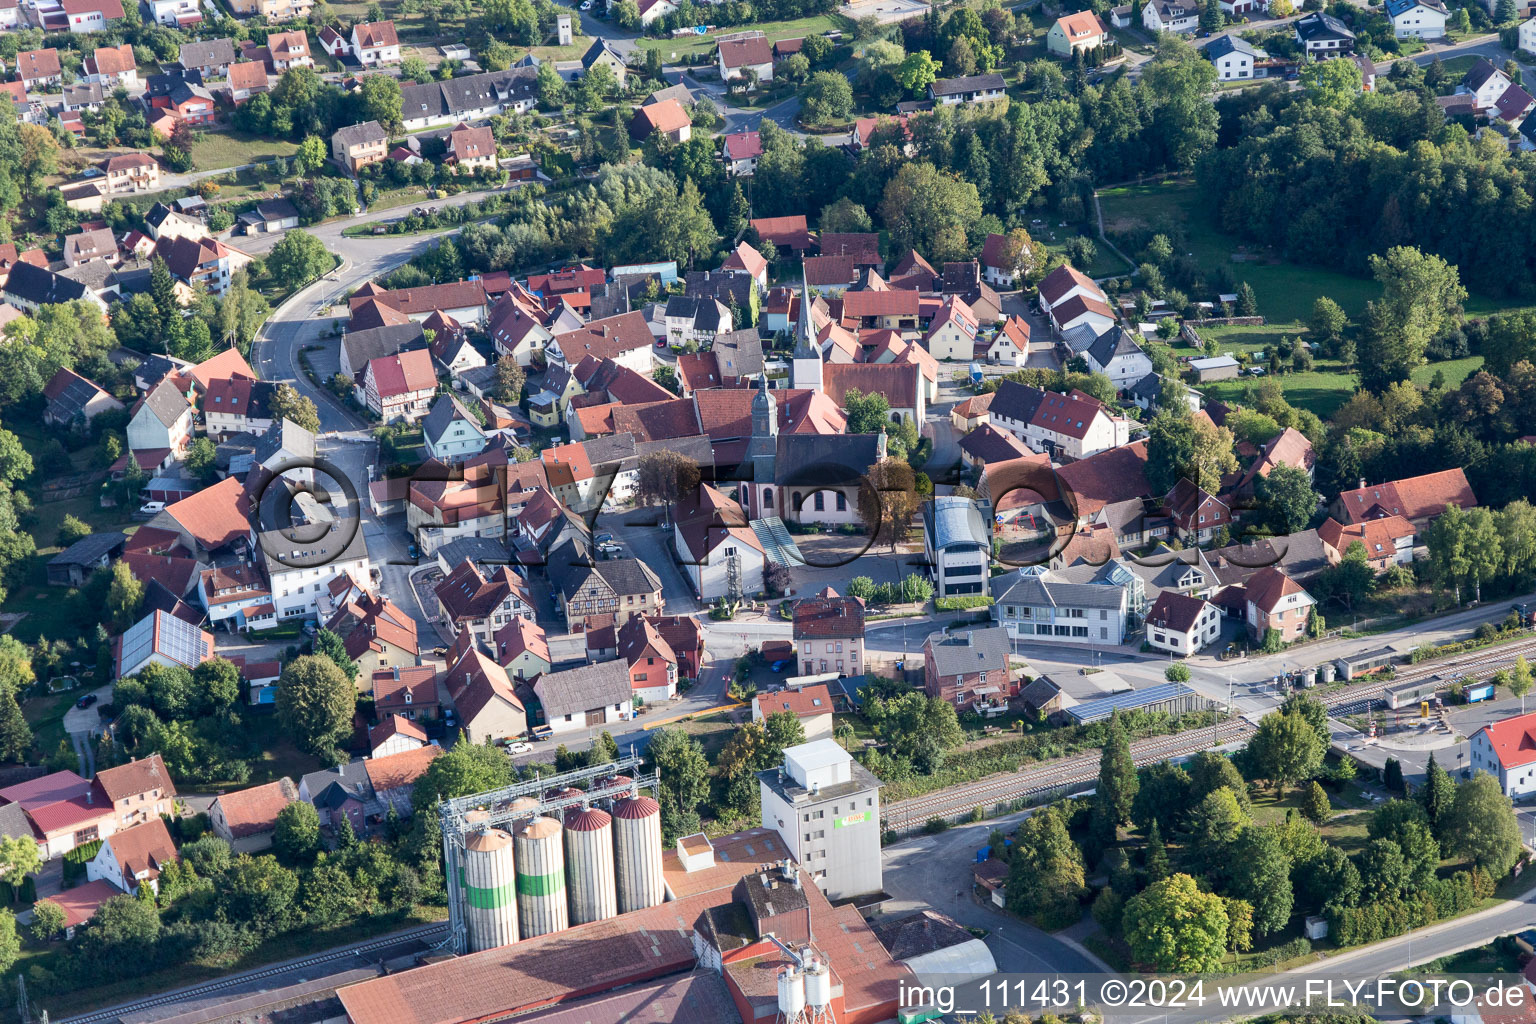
point(488, 899)
point(541, 885)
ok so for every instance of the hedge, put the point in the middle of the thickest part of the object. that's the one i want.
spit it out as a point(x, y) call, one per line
point(960, 604)
point(1429, 652)
point(1440, 899)
point(1279, 954)
point(75, 860)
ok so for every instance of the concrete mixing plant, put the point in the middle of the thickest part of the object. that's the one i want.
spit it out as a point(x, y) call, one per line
point(541, 855)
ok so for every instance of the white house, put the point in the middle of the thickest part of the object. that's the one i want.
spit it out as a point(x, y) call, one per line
point(1323, 36)
point(1234, 58)
point(1507, 751)
point(162, 419)
point(958, 546)
point(1417, 19)
point(1486, 83)
point(714, 542)
point(451, 432)
point(176, 13)
point(952, 333)
point(948, 92)
point(1116, 355)
point(375, 42)
point(737, 57)
point(1182, 624)
point(1035, 606)
point(1010, 346)
point(1077, 424)
point(91, 15)
point(133, 856)
point(1169, 16)
point(1528, 35)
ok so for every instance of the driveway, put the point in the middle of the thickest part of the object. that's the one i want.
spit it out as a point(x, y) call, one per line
point(83, 726)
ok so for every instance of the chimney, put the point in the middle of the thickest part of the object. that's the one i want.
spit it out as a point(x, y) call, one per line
point(1362, 483)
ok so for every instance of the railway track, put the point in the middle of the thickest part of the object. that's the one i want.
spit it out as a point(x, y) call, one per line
point(115, 1013)
point(1054, 775)
point(1480, 665)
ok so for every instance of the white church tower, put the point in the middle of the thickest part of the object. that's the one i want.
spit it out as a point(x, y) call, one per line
point(806, 369)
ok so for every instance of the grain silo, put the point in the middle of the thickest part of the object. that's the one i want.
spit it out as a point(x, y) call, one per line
point(637, 849)
point(540, 877)
point(589, 865)
point(610, 782)
point(490, 889)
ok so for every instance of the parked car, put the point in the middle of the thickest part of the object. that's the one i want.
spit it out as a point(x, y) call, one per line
point(150, 509)
point(519, 748)
point(86, 701)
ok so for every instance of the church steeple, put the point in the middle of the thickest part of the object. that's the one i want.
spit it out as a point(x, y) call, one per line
point(807, 370)
point(765, 412)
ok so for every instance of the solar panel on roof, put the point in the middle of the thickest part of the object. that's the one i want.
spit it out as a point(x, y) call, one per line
point(1093, 710)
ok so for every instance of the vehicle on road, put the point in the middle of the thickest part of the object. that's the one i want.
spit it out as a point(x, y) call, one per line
point(540, 732)
point(86, 701)
point(610, 551)
point(411, 552)
point(150, 509)
point(439, 651)
point(519, 748)
point(603, 538)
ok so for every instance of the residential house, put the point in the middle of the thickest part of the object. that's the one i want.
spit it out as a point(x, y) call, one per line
point(1275, 601)
point(786, 233)
point(61, 812)
point(651, 660)
point(667, 119)
point(162, 222)
point(1506, 749)
point(395, 735)
point(211, 522)
point(340, 793)
point(746, 260)
point(469, 98)
point(205, 261)
point(971, 413)
point(741, 152)
point(969, 668)
point(828, 634)
point(393, 776)
point(900, 383)
point(1322, 35)
point(112, 67)
point(626, 339)
point(740, 58)
point(1527, 30)
point(1010, 345)
point(997, 265)
point(600, 52)
point(131, 172)
point(1181, 624)
point(235, 405)
point(1418, 499)
point(358, 145)
point(81, 903)
point(470, 149)
point(521, 648)
point(1074, 32)
point(210, 58)
point(811, 705)
point(289, 50)
point(517, 329)
point(406, 691)
point(237, 596)
point(188, 102)
point(463, 302)
point(481, 603)
point(247, 79)
point(133, 856)
point(620, 587)
point(1197, 516)
point(689, 318)
point(587, 696)
point(377, 633)
point(451, 432)
point(987, 88)
point(39, 70)
point(91, 15)
point(1076, 425)
point(1417, 19)
point(1514, 105)
point(375, 42)
point(1065, 284)
point(73, 401)
point(896, 309)
point(483, 698)
point(10, 14)
point(1117, 356)
point(957, 546)
point(1040, 606)
point(1388, 541)
point(716, 546)
point(1235, 58)
point(275, 11)
point(1169, 16)
point(161, 419)
point(986, 445)
point(952, 332)
point(400, 387)
point(247, 818)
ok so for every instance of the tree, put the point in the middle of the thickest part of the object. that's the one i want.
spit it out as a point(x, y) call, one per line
point(1045, 877)
point(1181, 447)
point(845, 215)
point(1178, 672)
point(1239, 925)
point(1383, 875)
point(286, 403)
point(784, 729)
point(334, 647)
point(1505, 12)
point(1174, 927)
point(826, 99)
point(48, 920)
point(1352, 579)
point(462, 769)
point(1210, 771)
point(1261, 874)
point(914, 727)
point(1211, 17)
point(1331, 86)
point(1520, 680)
point(665, 477)
point(1482, 826)
point(1329, 881)
point(930, 211)
point(917, 72)
point(380, 101)
point(259, 893)
point(72, 529)
point(216, 686)
point(1214, 825)
point(1116, 791)
point(889, 501)
point(311, 155)
point(684, 780)
point(124, 594)
point(1327, 323)
point(605, 749)
point(1157, 855)
point(1421, 293)
point(1287, 499)
point(1162, 796)
point(510, 378)
point(300, 257)
point(19, 857)
point(297, 835)
point(15, 733)
point(315, 702)
point(1286, 748)
point(1437, 795)
point(201, 460)
point(1316, 808)
point(1404, 823)
point(1392, 775)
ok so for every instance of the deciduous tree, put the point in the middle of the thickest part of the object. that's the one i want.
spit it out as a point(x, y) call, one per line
point(315, 701)
point(1174, 927)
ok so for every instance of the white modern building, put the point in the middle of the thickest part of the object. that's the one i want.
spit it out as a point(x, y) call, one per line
point(1507, 751)
point(1034, 605)
point(826, 808)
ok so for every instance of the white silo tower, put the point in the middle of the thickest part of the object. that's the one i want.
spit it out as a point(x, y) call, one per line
point(540, 877)
point(637, 849)
point(818, 991)
point(791, 995)
point(490, 889)
point(589, 865)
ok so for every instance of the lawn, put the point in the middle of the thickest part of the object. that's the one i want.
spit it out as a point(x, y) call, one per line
point(712, 731)
point(217, 150)
point(797, 28)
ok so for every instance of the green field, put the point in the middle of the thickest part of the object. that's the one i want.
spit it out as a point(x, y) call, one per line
point(215, 151)
point(675, 49)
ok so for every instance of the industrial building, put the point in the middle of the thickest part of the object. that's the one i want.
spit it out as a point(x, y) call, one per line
point(826, 808)
point(743, 934)
point(1171, 698)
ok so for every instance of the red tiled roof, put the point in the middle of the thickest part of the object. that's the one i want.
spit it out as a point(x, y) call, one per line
point(1267, 586)
point(1378, 535)
point(138, 777)
point(250, 74)
point(402, 769)
point(391, 687)
point(81, 902)
point(1078, 305)
point(807, 700)
point(743, 146)
point(988, 445)
point(784, 231)
point(831, 616)
point(895, 302)
point(1415, 498)
point(403, 373)
point(1513, 740)
point(252, 811)
point(1105, 478)
point(374, 34)
point(745, 258)
point(1175, 611)
point(214, 516)
point(898, 382)
point(1066, 277)
point(32, 64)
point(519, 636)
point(665, 117)
point(114, 60)
point(392, 726)
point(1083, 23)
point(607, 338)
point(146, 847)
point(741, 53)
